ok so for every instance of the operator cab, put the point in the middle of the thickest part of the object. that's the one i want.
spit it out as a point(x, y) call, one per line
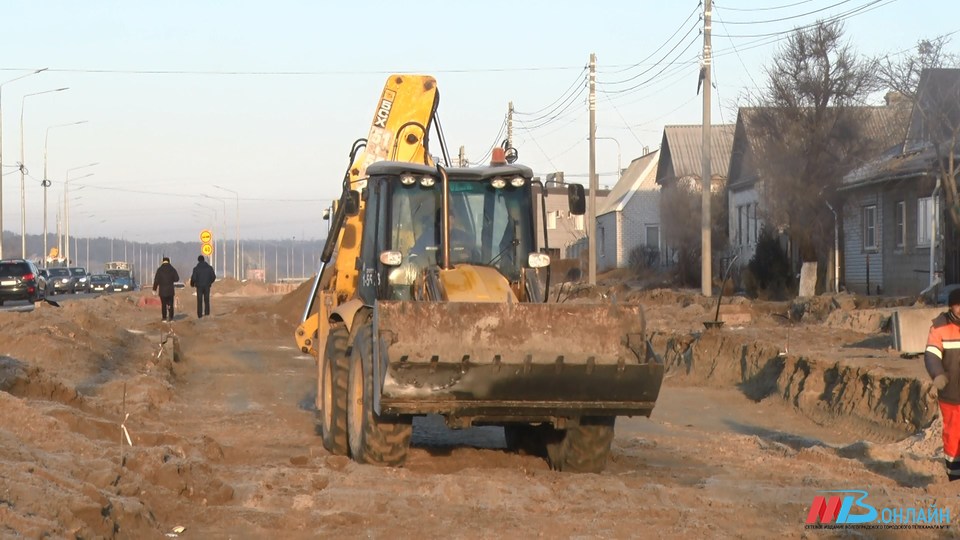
point(490, 218)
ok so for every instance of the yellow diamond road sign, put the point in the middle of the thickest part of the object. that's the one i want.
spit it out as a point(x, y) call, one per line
point(206, 249)
point(205, 236)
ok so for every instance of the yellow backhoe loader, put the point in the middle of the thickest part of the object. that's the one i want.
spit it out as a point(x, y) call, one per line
point(428, 301)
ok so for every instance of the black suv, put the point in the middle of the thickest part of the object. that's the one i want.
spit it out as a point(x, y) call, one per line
point(21, 280)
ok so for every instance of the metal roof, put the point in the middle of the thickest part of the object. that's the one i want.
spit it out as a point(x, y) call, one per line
point(681, 146)
point(884, 126)
point(640, 174)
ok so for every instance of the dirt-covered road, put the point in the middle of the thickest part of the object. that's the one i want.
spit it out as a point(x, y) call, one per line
point(224, 443)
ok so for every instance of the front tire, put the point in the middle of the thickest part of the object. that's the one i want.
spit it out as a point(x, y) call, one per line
point(583, 448)
point(334, 377)
point(373, 439)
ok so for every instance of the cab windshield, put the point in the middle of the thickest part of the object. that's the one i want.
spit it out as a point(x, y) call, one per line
point(488, 226)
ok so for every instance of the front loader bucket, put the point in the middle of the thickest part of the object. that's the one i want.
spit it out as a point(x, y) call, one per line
point(514, 361)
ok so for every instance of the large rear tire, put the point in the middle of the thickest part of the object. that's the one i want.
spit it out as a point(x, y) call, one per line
point(583, 448)
point(334, 378)
point(373, 439)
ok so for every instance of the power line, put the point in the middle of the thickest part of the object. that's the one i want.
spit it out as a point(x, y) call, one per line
point(550, 161)
point(191, 195)
point(290, 73)
point(624, 120)
point(654, 76)
point(496, 141)
point(734, 45)
point(789, 17)
point(660, 62)
point(572, 85)
point(662, 45)
point(557, 116)
point(563, 106)
point(859, 10)
point(769, 8)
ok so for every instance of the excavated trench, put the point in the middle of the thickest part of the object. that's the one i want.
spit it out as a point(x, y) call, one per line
point(865, 402)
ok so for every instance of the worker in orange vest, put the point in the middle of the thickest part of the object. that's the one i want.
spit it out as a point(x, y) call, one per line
point(942, 360)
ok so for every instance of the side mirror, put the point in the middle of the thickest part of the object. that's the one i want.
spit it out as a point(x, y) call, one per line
point(351, 203)
point(578, 202)
point(511, 155)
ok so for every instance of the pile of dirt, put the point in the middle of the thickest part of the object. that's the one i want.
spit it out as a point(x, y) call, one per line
point(250, 288)
point(290, 307)
point(226, 286)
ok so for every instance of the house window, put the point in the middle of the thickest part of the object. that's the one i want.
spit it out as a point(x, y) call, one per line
point(870, 227)
point(653, 236)
point(756, 224)
point(901, 220)
point(551, 220)
point(578, 223)
point(926, 210)
point(603, 241)
point(740, 225)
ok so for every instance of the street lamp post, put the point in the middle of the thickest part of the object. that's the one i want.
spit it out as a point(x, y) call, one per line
point(619, 163)
point(23, 166)
point(223, 241)
point(236, 254)
point(46, 184)
point(66, 204)
point(1, 150)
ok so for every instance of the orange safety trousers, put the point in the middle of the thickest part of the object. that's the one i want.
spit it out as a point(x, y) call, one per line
point(951, 438)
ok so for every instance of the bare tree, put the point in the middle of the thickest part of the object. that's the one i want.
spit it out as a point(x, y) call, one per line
point(679, 201)
point(809, 129)
point(901, 74)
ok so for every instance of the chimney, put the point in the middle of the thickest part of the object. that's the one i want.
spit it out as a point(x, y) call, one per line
point(893, 97)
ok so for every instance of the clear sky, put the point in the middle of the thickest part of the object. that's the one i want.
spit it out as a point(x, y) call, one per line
point(265, 98)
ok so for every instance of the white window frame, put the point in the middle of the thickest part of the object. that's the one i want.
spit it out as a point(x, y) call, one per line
point(869, 213)
point(552, 220)
point(603, 242)
point(646, 231)
point(927, 207)
point(740, 225)
point(900, 218)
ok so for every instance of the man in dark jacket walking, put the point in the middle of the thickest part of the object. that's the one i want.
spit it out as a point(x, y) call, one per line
point(202, 278)
point(163, 282)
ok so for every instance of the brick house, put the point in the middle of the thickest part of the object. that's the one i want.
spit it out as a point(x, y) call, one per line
point(631, 216)
point(564, 230)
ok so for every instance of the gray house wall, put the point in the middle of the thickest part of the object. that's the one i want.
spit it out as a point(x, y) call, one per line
point(857, 258)
point(906, 269)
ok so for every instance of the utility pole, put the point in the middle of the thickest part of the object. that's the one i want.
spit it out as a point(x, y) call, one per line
point(706, 278)
point(510, 125)
point(594, 181)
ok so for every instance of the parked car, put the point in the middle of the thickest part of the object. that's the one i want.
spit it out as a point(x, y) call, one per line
point(21, 280)
point(122, 284)
point(59, 281)
point(101, 283)
point(81, 281)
